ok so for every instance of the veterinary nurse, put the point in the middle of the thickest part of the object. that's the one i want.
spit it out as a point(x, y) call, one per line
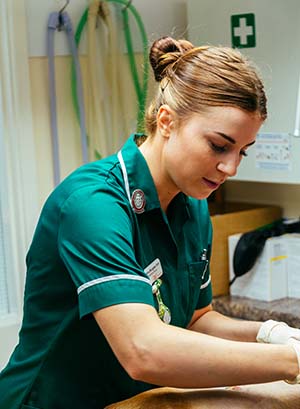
point(118, 292)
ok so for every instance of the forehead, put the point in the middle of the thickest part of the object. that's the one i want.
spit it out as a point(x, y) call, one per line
point(224, 114)
point(234, 122)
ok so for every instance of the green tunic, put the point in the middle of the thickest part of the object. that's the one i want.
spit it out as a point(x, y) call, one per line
point(90, 250)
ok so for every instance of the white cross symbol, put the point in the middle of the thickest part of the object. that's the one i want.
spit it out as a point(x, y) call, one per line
point(243, 31)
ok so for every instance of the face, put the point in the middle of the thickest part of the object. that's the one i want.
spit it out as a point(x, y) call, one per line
point(203, 152)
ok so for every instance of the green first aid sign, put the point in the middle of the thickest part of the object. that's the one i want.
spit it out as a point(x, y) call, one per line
point(243, 30)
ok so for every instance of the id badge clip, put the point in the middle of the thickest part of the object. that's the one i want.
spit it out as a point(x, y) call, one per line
point(154, 272)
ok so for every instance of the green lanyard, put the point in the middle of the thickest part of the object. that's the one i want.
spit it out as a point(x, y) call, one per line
point(164, 312)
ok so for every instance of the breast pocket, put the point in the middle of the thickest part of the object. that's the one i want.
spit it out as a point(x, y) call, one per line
point(197, 271)
point(197, 275)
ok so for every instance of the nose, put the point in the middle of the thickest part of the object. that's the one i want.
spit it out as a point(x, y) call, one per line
point(229, 165)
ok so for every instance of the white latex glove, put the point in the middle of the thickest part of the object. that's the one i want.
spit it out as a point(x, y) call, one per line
point(275, 332)
point(296, 346)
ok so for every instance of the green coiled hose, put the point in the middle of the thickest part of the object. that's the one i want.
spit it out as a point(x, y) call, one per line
point(140, 88)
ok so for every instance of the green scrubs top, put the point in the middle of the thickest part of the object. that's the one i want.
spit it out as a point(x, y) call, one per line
point(98, 232)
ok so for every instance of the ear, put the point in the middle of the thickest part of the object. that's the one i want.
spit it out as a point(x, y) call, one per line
point(165, 120)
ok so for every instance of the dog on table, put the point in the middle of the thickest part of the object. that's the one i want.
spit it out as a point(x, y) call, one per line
point(274, 395)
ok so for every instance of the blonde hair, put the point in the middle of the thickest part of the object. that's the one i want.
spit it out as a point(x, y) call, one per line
point(194, 78)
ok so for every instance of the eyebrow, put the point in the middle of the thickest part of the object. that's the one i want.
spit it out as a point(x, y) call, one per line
point(230, 139)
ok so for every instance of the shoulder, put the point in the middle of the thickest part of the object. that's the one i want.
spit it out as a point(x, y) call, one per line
point(95, 179)
point(92, 192)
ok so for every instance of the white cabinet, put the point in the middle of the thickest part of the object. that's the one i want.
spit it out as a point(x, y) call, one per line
point(268, 31)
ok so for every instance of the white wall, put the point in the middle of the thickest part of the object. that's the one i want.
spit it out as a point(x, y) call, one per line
point(159, 17)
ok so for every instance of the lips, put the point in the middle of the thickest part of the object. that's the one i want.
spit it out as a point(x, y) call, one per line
point(211, 184)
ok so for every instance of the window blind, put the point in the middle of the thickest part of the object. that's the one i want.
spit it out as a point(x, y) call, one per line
point(4, 298)
point(18, 177)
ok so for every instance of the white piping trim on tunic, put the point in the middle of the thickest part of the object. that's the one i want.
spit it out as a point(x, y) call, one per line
point(111, 278)
point(125, 176)
point(205, 284)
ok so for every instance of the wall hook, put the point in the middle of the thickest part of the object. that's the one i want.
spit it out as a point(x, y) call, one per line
point(60, 17)
point(63, 8)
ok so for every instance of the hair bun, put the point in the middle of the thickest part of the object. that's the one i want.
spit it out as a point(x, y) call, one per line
point(165, 51)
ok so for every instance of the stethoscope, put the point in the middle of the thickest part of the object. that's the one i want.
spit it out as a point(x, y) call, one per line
point(137, 201)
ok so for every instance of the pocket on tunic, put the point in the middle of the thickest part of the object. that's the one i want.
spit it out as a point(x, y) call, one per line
point(197, 271)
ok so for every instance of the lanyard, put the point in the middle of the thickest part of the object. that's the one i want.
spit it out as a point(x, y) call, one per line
point(62, 22)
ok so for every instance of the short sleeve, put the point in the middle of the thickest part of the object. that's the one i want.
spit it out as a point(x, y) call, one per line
point(96, 244)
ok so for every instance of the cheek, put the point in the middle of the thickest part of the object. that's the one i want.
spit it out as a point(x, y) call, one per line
point(200, 157)
point(175, 153)
point(186, 155)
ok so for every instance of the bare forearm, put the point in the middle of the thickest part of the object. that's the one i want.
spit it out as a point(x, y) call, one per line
point(165, 355)
point(187, 359)
point(218, 325)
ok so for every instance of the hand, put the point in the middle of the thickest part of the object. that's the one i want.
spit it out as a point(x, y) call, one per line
point(274, 332)
point(296, 345)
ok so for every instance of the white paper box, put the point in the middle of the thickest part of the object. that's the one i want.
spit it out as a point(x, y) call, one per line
point(293, 264)
point(267, 280)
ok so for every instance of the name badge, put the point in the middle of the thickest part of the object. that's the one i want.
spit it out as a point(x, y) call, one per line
point(154, 270)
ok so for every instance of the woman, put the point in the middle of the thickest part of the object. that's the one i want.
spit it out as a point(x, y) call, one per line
point(122, 248)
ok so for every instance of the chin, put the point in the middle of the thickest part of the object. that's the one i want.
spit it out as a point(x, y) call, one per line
point(199, 195)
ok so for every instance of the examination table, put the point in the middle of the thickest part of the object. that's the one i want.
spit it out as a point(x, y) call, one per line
point(274, 395)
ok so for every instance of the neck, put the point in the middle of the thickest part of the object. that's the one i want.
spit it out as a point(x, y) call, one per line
point(152, 150)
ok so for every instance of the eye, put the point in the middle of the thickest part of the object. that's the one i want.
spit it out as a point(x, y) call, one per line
point(218, 148)
point(223, 148)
